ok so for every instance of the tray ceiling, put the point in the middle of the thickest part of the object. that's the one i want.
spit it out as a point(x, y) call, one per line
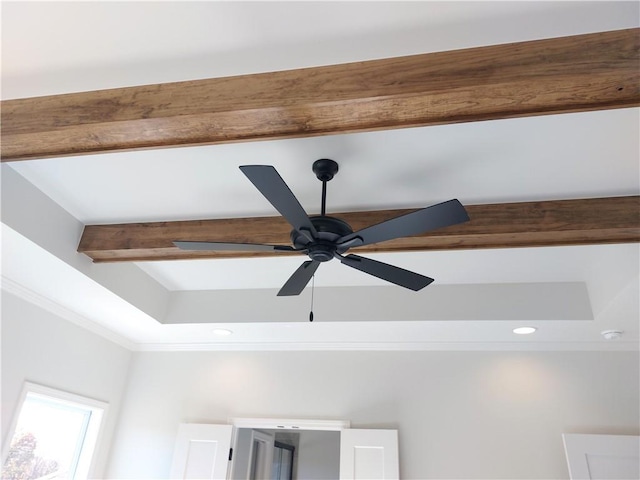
point(177, 304)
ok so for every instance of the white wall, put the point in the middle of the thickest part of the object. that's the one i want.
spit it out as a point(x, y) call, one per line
point(40, 347)
point(459, 414)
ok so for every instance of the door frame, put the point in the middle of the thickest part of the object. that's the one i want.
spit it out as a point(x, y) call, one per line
point(350, 471)
point(289, 424)
point(268, 441)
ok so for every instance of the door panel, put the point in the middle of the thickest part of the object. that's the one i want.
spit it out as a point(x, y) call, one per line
point(201, 451)
point(369, 455)
point(602, 457)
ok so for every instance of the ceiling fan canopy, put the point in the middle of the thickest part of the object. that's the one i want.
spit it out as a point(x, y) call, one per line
point(323, 238)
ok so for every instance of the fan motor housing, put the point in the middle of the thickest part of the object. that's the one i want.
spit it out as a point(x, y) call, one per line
point(323, 248)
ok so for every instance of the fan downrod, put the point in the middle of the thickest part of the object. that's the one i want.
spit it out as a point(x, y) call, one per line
point(324, 169)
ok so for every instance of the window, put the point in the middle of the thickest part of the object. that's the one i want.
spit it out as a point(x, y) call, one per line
point(54, 435)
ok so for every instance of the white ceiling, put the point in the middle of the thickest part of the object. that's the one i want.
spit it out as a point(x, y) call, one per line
point(55, 47)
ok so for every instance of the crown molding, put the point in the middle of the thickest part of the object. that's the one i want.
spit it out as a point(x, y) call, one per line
point(10, 286)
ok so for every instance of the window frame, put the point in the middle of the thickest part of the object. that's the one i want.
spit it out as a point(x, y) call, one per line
point(86, 462)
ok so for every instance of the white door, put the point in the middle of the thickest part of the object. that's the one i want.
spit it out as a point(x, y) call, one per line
point(602, 457)
point(201, 451)
point(261, 456)
point(369, 455)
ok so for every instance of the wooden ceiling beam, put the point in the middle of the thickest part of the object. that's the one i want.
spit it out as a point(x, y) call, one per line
point(527, 224)
point(568, 74)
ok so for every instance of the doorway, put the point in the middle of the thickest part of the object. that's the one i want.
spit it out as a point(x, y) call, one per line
point(207, 450)
point(271, 454)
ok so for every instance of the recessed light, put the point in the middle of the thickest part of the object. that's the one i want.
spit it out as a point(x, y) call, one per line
point(612, 334)
point(524, 330)
point(222, 332)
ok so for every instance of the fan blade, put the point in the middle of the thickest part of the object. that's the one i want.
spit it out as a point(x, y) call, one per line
point(299, 279)
point(436, 216)
point(272, 186)
point(399, 276)
point(238, 247)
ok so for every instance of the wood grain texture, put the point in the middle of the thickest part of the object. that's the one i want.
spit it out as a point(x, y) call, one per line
point(568, 74)
point(527, 224)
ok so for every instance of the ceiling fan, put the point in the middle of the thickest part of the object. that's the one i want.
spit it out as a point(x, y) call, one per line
point(323, 238)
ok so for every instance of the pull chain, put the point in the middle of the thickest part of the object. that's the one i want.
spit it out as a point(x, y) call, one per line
point(313, 284)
